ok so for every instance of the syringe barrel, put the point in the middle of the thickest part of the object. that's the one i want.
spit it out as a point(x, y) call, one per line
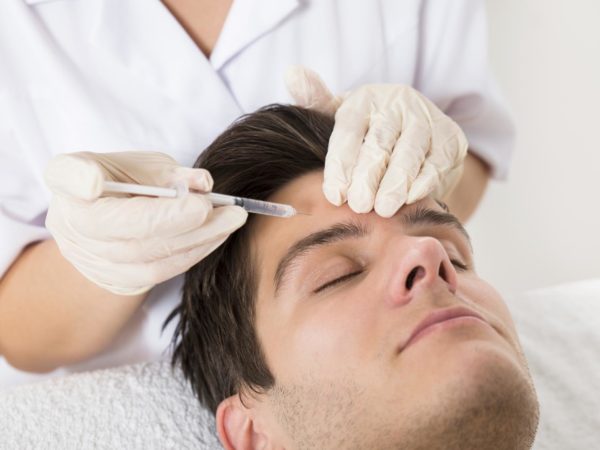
point(267, 208)
point(253, 206)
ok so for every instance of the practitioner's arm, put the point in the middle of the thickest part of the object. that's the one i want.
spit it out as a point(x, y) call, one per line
point(51, 315)
point(465, 197)
point(62, 306)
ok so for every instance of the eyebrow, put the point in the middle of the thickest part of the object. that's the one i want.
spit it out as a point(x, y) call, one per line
point(419, 216)
point(422, 216)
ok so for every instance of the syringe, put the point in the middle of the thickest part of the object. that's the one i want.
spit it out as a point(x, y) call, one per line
point(250, 205)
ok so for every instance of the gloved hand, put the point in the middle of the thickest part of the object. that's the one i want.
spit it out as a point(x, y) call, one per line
point(390, 145)
point(129, 244)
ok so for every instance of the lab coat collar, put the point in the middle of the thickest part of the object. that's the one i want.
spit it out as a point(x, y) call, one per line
point(247, 21)
point(123, 24)
point(147, 40)
point(144, 39)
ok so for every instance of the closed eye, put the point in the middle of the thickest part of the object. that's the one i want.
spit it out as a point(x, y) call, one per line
point(459, 265)
point(456, 263)
point(337, 281)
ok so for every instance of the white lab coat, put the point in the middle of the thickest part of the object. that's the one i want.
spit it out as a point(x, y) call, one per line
point(114, 75)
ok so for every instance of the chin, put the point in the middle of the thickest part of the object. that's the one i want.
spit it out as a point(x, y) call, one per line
point(464, 369)
point(483, 373)
point(489, 388)
point(478, 362)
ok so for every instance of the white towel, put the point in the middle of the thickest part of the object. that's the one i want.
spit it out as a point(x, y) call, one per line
point(147, 406)
point(143, 406)
point(559, 328)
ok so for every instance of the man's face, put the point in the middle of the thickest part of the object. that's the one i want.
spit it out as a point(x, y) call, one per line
point(339, 296)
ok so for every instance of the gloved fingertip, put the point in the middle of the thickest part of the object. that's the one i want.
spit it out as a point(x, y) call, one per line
point(425, 183)
point(202, 181)
point(194, 178)
point(236, 216)
point(360, 200)
point(418, 192)
point(333, 195)
point(387, 208)
point(241, 214)
point(298, 85)
point(293, 74)
point(309, 90)
point(360, 207)
point(412, 198)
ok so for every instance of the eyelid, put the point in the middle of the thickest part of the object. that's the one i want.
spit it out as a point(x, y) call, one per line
point(451, 235)
point(459, 265)
point(456, 256)
point(337, 280)
point(457, 248)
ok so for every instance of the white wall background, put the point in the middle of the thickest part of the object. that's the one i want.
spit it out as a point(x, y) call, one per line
point(542, 226)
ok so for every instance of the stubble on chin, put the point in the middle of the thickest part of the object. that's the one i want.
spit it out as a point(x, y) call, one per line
point(497, 409)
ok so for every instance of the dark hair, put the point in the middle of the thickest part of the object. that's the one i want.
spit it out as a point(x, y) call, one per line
point(215, 340)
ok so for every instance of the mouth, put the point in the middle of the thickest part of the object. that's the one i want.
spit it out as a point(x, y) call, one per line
point(440, 316)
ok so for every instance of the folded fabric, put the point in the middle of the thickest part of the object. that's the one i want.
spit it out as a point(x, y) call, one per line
point(559, 328)
point(143, 406)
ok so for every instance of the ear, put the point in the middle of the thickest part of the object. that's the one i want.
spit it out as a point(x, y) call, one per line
point(237, 427)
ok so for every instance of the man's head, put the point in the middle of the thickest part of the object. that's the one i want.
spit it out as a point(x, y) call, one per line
point(298, 332)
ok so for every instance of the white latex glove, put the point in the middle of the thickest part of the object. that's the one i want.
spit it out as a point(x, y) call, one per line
point(129, 244)
point(390, 145)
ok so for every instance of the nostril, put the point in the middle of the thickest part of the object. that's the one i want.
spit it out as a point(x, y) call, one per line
point(442, 272)
point(410, 280)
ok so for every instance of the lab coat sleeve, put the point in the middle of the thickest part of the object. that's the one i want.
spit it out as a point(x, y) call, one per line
point(23, 202)
point(453, 71)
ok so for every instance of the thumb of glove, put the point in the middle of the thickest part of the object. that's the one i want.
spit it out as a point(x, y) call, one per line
point(82, 175)
point(309, 90)
point(72, 176)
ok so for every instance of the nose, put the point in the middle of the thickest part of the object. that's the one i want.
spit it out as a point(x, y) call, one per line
point(423, 263)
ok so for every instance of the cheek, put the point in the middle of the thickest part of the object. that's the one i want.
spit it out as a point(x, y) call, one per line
point(484, 297)
point(326, 338)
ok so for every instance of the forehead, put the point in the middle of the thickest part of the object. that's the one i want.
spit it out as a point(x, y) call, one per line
point(306, 195)
point(272, 236)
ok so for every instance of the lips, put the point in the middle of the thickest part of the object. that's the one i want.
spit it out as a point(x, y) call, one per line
point(439, 316)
